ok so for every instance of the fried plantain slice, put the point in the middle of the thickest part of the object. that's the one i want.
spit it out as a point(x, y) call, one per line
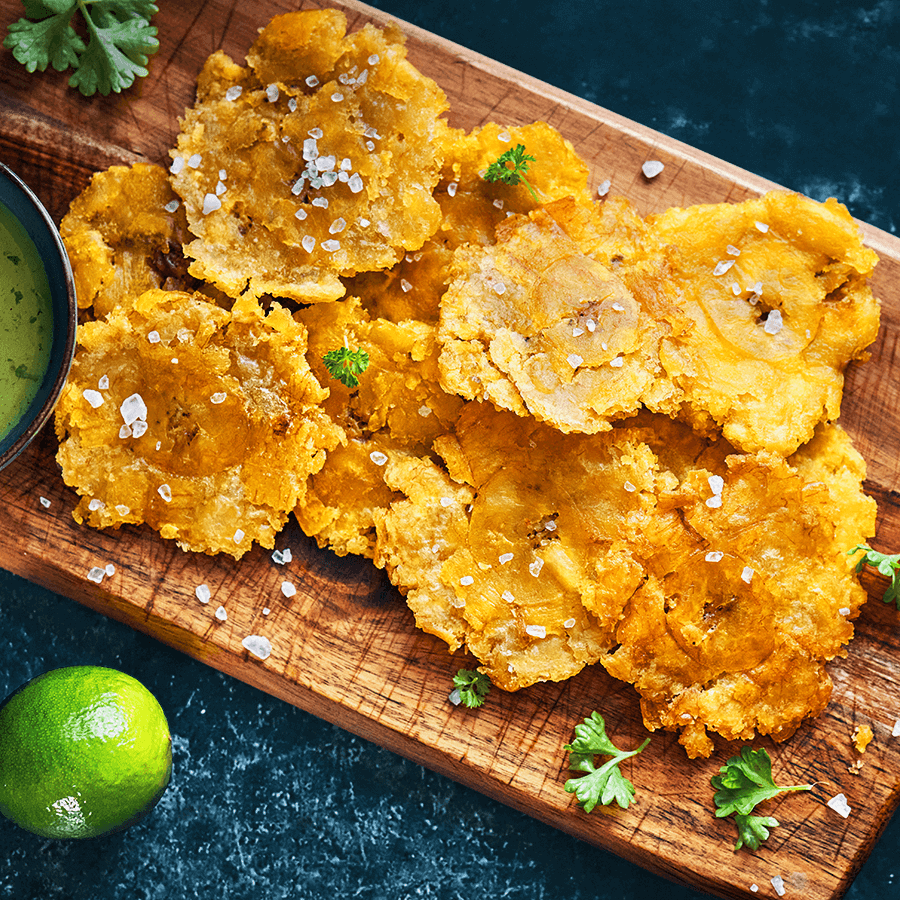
point(536, 326)
point(398, 405)
point(201, 422)
point(777, 289)
point(317, 160)
point(124, 235)
point(749, 593)
point(471, 209)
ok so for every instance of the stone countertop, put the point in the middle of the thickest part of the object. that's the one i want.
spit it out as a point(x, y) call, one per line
point(269, 801)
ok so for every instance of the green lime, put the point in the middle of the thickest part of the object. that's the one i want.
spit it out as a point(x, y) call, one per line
point(84, 750)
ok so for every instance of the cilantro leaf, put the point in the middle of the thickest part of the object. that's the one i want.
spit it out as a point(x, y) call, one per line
point(120, 41)
point(888, 566)
point(601, 785)
point(471, 687)
point(742, 783)
point(752, 830)
point(510, 168)
point(51, 41)
point(346, 365)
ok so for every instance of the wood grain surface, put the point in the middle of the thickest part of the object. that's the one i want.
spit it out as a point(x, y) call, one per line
point(344, 647)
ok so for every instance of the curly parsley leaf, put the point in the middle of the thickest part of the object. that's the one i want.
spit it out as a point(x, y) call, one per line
point(120, 41)
point(346, 365)
point(742, 783)
point(603, 784)
point(888, 566)
point(510, 168)
point(471, 687)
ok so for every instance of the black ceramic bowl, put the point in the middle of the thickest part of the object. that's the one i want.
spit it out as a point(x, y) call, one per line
point(30, 213)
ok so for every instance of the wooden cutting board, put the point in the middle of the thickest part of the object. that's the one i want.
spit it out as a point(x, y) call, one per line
point(344, 647)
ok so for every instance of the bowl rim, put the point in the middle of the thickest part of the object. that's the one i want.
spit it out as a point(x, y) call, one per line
point(61, 342)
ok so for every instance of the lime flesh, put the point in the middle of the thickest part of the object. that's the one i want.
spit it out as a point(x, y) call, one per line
point(84, 751)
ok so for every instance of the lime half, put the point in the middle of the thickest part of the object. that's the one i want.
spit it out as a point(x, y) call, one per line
point(84, 751)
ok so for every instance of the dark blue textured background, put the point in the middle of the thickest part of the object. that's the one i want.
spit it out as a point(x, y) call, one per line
point(268, 801)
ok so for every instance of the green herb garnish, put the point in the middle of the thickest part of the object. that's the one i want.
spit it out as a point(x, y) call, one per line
point(742, 783)
point(601, 784)
point(346, 365)
point(120, 41)
point(472, 687)
point(889, 566)
point(510, 168)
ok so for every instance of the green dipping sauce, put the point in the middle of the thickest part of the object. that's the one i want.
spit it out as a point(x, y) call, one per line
point(26, 321)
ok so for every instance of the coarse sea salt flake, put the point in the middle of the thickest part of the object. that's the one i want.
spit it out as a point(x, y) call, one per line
point(133, 408)
point(731, 250)
point(652, 168)
point(272, 93)
point(538, 631)
point(195, 160)
point(716, 483)
point(466, 580)
point(288, 589)
point(110, 570)
point(839, 804)
point(574, 360)
point(103, 383)
point(535, 567)
point(153, 337)
point(723, 266)
point(139, 428)
point(94, 398)
point(282, 556)
point(507, 596)
point(747, 575)
point(378, 457)
point(95, 574)
point(505, 558)
point(617, 362)
point(96, 504)
point(177, 165)
point(238, 535)
point(165, 492)
point(355, 183)
point(896, 731)
point(424, 411)
point(218, 397)
point(308, 243)
point(629, 487)
point(774, 322)
point(569, 623)
point(259, 646)
point(778, 884)
point(44, 502)
point(203, 593)
point(714, 502)
point(221, 614)
point(211, 203)
point(714, 556)
point(761, 226)
point(233, 92)
point(171, 206)
point(603, 188)
point(122, 509)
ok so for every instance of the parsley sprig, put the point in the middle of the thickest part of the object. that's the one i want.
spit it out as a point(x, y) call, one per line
point(346, 365)
point(471, 687)
point(601, 784)
point(120, 41)
point(742, 783)
point(886, 565)
point(510, 168)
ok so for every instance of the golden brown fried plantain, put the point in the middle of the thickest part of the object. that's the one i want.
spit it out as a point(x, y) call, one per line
point(317, 160)
point(536, 326)
point(398, 405)
point(203, 423)
point(778, 294)
point(749, 593)
point(124, 235)
point(471, 209)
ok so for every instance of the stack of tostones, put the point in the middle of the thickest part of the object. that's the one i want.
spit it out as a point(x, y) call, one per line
point(583, 436)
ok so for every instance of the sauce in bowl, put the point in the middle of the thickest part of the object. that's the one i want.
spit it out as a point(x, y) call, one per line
point(26, 321)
